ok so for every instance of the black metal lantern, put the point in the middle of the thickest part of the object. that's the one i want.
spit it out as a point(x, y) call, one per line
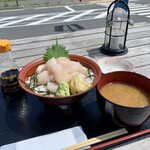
point(117, 21)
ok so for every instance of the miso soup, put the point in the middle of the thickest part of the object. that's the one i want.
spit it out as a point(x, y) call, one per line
point(125, 94)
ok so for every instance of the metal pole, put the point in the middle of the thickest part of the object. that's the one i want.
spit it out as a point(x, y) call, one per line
point(17, 3)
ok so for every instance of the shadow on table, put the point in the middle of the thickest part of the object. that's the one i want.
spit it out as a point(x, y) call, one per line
point(29, 117)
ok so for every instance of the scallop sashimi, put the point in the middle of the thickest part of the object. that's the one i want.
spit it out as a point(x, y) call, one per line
point(43, 77)
point(83, 70)
point(52, 87)
point(63, 60)
point(52, 66)
point(56, 74)
point(40, 68)
point(71, 67)
point(60, 76)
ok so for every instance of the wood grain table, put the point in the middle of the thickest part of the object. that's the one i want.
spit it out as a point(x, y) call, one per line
point(86, 43)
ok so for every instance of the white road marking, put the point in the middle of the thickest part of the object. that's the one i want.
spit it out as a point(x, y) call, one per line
point(79, 15)
point(104, 4)
point(139, 11)
point(18, 21)
point(7, 18)
point(131, 5)
point(72, 15)
point(49, 23)
point(142, 14)
point(49, 18)
point(134, 4)
point(137, 8)
point(101, 15)
point(69, 8)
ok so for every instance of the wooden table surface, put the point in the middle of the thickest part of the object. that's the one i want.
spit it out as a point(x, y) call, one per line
point(87, 43)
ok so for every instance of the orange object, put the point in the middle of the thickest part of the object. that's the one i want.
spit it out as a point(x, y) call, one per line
point(4, 46)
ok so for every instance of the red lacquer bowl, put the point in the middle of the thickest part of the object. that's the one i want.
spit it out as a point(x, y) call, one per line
point(123, 115)
point(30, 68)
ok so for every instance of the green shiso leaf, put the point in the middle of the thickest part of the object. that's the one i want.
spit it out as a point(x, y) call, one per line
point(55, 51)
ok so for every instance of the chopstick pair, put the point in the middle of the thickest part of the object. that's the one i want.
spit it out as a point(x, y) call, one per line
point(97, 139)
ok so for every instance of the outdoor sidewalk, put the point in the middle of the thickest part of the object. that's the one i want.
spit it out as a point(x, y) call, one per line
point(44, 3)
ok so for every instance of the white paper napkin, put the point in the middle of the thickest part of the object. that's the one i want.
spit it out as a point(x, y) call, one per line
point(53, 141)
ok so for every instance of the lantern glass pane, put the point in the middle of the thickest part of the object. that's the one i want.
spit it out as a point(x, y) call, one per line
point(119, 28)
point(106, 42)
point(116, 26)
point(116, 43)
point(119, 14)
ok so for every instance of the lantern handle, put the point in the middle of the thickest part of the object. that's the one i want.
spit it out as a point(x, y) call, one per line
point(116, 3)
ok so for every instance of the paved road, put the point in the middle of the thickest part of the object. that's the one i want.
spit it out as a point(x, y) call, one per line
point(15, 24)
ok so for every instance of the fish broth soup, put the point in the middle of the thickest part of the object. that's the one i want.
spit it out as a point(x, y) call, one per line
point(125, 94)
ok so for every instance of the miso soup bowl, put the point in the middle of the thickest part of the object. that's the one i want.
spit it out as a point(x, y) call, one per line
point(123, 115)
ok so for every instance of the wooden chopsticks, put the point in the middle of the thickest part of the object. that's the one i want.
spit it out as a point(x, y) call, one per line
point(97, 139)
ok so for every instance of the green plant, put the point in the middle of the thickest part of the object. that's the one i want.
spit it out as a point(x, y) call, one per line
point(6, 5)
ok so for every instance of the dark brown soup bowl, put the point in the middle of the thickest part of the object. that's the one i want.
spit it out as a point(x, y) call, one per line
point(123, 115)
point(30, 68)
